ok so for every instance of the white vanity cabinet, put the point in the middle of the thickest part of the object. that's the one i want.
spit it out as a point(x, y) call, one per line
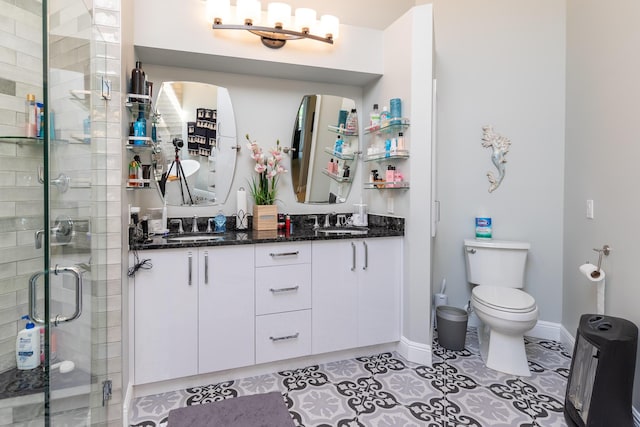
point(283, 301)
point(194, 312)
point(356, 293)
point(166, 316)
point(225, 308)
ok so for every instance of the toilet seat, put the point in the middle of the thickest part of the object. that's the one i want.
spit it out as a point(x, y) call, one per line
point(509, 300)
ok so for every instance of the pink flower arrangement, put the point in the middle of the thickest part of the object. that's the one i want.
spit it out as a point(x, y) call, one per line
point(264, 187)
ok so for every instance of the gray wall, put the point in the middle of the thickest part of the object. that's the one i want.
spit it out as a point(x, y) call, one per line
point(602, 155)
point(501, 63)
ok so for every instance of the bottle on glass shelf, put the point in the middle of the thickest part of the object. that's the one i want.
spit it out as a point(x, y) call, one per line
point(352, 122)
point(31, 127)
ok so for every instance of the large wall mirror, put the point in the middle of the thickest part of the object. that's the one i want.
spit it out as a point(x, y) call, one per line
point(196, 135)
point(321, 173)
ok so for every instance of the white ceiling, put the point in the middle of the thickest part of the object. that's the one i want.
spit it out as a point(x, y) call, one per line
point(377, 14)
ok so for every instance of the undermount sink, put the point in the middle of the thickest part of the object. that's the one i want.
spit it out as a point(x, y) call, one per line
point(194, 238)
point(344, 230)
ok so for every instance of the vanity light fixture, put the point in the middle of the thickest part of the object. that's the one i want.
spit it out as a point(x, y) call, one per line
point(278, 29)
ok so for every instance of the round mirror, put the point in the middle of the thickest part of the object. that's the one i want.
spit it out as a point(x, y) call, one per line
point(324, 155)
point(195, 131)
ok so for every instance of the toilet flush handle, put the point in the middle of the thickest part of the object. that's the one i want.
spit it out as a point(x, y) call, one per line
point(471, 250)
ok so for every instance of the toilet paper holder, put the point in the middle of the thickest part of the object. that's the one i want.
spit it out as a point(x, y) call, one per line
point(606, 250)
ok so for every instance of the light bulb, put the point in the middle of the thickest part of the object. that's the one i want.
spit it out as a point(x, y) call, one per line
point(219, 11)
point(305, 19)
point(330, 26)
point(278, 14)
point(249, 11)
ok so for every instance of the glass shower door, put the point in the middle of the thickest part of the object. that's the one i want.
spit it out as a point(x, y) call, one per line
point(75, 313)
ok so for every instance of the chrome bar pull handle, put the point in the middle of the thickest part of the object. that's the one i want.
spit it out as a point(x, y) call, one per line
point(273, 255)
point(206, 267)
point(33, 297)
point(366, 256)
point(353, 256)
point(77, 275)
point(292, 288)
point(285, 338)
point(190, 267)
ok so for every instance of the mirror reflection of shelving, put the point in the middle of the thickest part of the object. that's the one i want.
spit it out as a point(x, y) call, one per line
point(336, 178)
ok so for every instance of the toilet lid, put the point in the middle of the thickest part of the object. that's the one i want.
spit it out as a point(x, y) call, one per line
point(505, 299)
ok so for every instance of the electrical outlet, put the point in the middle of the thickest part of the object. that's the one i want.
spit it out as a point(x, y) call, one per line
point(589, 209)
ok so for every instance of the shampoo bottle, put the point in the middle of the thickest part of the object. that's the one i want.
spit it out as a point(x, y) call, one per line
point(28, 346)
point(138, 79)
point(352, 122)
point(384, 117)
point(374, 118)
point(31, 130)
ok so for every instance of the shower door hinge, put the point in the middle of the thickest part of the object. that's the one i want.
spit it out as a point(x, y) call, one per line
point(106, 391)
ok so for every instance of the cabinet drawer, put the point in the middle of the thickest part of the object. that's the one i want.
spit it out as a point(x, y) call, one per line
point(283, 288)
point(283, 336)
point(283, 254)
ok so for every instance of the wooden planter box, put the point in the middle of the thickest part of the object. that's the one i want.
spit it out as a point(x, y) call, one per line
point(265, 217)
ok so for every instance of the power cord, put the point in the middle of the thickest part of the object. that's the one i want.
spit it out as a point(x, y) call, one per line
point(145, 264)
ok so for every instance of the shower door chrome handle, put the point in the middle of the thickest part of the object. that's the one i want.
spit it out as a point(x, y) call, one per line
point(33, 297)
point(59, 318)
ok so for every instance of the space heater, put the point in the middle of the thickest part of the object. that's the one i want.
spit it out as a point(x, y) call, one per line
point(600, 385)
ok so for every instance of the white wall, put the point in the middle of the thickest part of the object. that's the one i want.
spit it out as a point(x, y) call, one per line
point(501, 63)
point(602, 153)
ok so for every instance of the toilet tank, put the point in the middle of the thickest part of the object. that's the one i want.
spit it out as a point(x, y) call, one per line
point(495, 262)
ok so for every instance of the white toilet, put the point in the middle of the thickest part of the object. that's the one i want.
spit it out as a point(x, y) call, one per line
point(505, 311)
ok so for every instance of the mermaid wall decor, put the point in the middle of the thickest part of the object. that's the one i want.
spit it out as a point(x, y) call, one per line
point(500, 147)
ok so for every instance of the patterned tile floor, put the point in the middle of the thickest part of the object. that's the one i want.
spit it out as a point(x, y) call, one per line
point(385, 390)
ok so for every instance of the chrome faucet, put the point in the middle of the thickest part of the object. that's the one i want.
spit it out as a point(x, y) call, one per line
point(209, 229)
point(327, 221)
point(179, 222)
point(194, 224)
point(315, 221)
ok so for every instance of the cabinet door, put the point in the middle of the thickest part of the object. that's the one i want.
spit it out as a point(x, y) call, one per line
point(334, 296)
point(226, 308)
point(380, 270)
point(165, 319)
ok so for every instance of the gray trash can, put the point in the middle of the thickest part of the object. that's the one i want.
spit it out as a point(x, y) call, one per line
point(452, 327)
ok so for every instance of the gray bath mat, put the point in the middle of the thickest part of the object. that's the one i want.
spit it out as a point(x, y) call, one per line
point(257, 410)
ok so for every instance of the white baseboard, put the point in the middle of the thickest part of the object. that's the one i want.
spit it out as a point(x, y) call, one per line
point(415, 352)
point(545, 330)
point(567, 339)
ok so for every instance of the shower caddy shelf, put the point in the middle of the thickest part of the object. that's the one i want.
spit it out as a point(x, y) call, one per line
point(140, 144)
point(389, 129)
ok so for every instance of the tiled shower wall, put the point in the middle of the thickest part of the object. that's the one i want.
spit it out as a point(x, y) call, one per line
point(21, 195)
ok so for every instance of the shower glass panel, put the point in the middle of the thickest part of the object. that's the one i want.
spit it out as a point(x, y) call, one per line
point(53, 265)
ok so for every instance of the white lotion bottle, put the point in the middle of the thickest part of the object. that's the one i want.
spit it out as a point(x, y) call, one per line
point(28, 346)
point(164, 216)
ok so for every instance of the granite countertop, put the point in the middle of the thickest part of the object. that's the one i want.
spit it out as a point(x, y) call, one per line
point(379, 226)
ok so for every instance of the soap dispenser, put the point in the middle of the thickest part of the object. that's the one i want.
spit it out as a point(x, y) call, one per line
point(28, 346)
